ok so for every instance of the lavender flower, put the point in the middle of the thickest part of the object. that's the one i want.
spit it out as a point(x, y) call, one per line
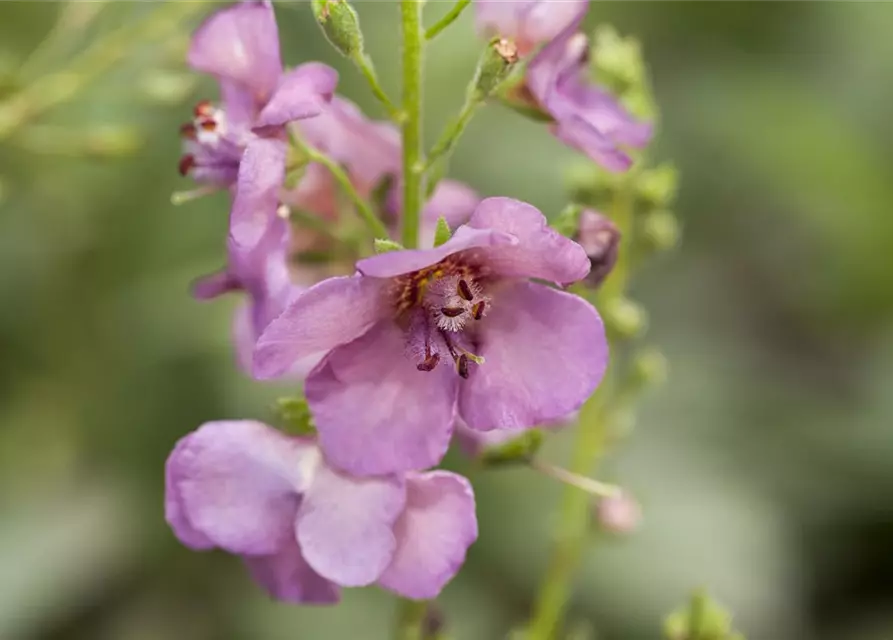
point(586, 116)
point(419, 335)
point(242, 141)
point(528, 22)
point(305, 529)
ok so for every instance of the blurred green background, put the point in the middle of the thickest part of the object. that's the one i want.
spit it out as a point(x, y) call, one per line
point(764, 465)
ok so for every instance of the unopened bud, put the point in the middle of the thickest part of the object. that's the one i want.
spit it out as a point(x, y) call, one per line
point(383, 245)
point(587, 183)
point(657, 187)
point(494, 66)
point(294, 415)
point(625, 318)
point(600, 238)
point(649, 368)
point(616, 62)
point(660, 230)
point(340, 24)
point(619, 514)
point(701, 619)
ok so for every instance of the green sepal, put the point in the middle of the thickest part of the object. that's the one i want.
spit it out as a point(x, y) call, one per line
point(568, 221)
point(340, 24)
point(294, 415)
point(443, 232)
point(383, 245)
point(701, 619)
point(657, 187)
point(517, 451)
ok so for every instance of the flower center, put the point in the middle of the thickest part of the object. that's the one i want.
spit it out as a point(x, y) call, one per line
point(444, 302)
point(205, 132)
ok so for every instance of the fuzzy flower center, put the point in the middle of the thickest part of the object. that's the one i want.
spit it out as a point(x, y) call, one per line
point(206, 130)
point(443, 302)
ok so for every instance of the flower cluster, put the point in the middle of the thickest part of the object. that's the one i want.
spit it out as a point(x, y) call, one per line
point(474, 335)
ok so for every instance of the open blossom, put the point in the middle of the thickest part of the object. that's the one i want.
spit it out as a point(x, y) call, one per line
point(262, 272)
point(239, 45)
point(586, 116)
point(419, 336)
point(305, 529)
point(527, 22)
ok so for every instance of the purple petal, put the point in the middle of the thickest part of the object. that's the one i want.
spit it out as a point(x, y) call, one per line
point(173, 505)
point(345, 526)
point(395, 263)
point(545, 353)
point(261, 174)
point(433, 534)
point(329, 314)
point(238, 484)
point(303, 92)
point(240, 43)
point(452, 200)
point(287, 577)
point(216, 284)
point(541, 252)
point(528, 22)
point(473, 442)
point(375, 411)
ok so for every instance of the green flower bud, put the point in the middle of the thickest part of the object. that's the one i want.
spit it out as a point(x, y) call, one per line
point(649, 368)
point(494, 66)
point(660, 230)
point(442, 233)
point(294, 415)
point(383, 245)
point(340, 24)
point(624, 318)
point(702, 619)
point(617, 62)
point(657, 187)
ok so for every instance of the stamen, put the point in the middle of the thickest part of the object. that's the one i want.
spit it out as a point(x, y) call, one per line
point(465, 291)
point(477, 311)
point(208, 125)
point(203, 109)
point(452, 312)
point(462, 366)
point(430, 362)
point(186, 164)
point(187, 130)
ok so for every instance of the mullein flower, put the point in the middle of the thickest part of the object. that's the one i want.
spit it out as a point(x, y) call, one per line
point(419, 336)
point(527, 22)
point(305, 529)
point(263, 273)
point(242, 142)
point(585, 115)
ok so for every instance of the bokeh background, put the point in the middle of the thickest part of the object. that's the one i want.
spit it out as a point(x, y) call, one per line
point(764, 465)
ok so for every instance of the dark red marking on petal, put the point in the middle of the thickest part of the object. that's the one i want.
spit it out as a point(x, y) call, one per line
point(186, 164)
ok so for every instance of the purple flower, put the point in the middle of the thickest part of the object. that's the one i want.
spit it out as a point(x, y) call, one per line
point(262, 272)
point(419, 335)
point(239, 45)
point(304, 528)
point(586, 116)
point(528, 22)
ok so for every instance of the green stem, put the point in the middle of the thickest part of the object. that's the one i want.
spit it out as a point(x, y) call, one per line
point(450, 136)
point(413, 164)
point(364, 64)
point(376, 226)
point(410, 619)
point(592, 438)
point(447, 20)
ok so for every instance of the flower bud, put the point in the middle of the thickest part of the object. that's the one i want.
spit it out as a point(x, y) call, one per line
point(657, 187)
point(625, 318)
point(294, 415)
point(701, 619)
point(649, 368)
point(660, 230)
point(586, 182)
point(340, 24)
point(615, 61)
point(383, 245)
point(619, 514)
point(601, 239)
point(494, 66)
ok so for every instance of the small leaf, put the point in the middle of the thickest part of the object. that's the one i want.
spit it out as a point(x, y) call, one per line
point(383, 245)
point(443, 233)
point(568, 221)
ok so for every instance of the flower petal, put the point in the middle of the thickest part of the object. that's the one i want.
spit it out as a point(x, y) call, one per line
point(173, 505)
point(303, 92)
point(240, 43)
point(261, 174)
point(580, 134)
point(375, 411)
point(541, 252)
point(345, 526)
point(545, 353)
point(395, 263)
point(329, 314)
point(433, 534)
point(215, 284)
point(238, 484)
point(287, 577)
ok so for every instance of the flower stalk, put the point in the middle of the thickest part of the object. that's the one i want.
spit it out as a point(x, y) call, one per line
point(447, 19)
point(413, 163)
